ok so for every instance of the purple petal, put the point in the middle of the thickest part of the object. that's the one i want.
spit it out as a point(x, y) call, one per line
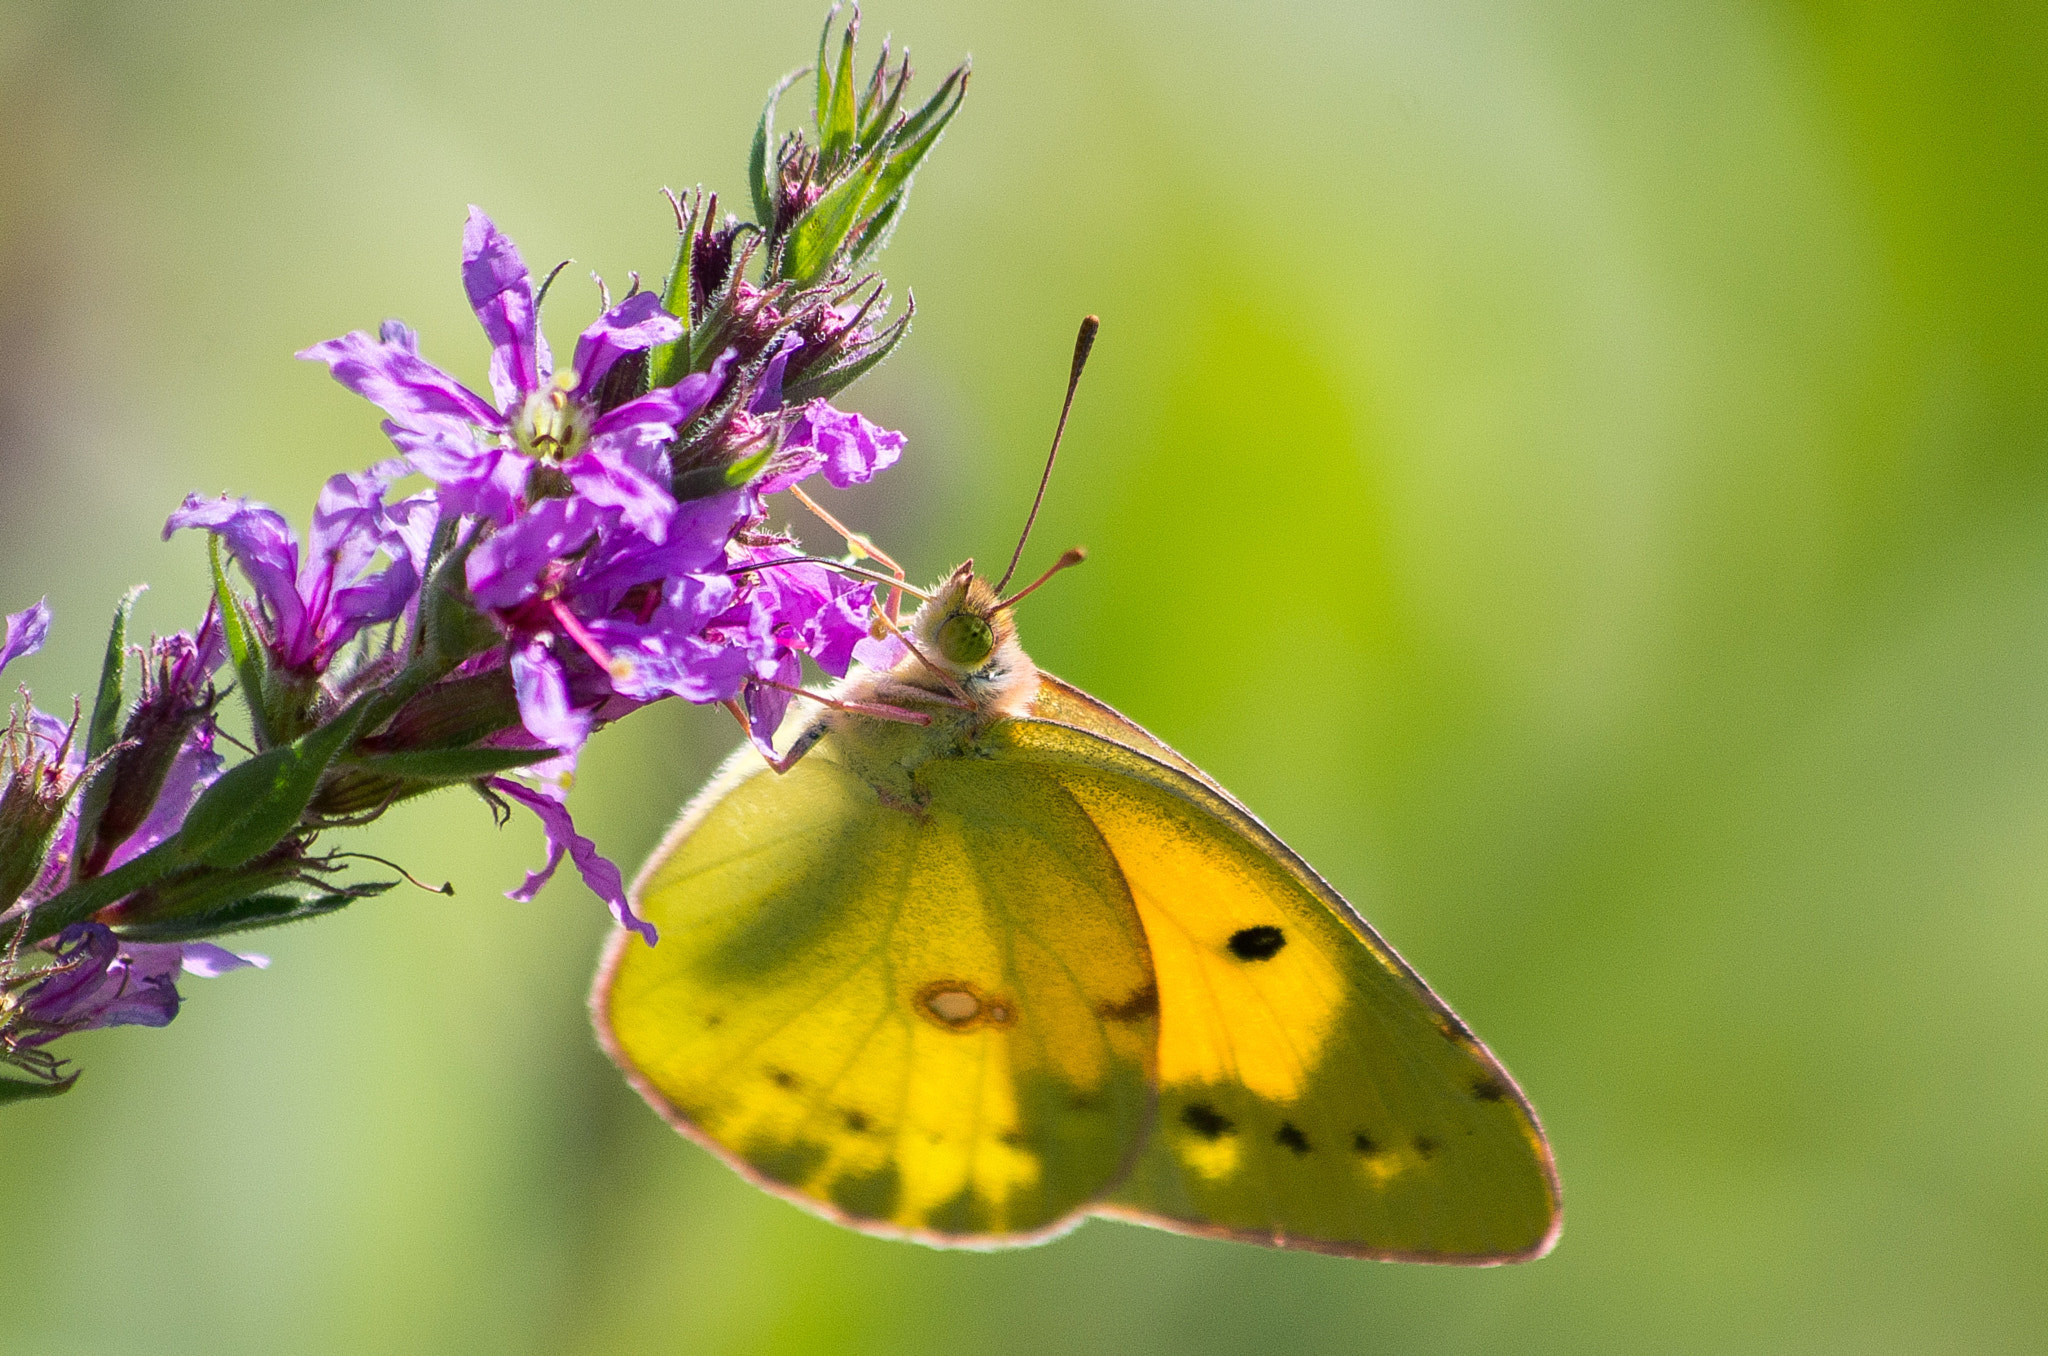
point(854, 449)
point(598, 872)
point(768, 393)
point(195, 768)
point(767, 705)
point(506, 569)
point(670, 405)
point(26, 630)
point(105, 982)
point(543, 692)
point(261, 542)
point(207, 960)
point(883, 654)
point(501, 292)
point(839, 629)
point(608, 483)
point(636, 323)
point(394, 377)
point(348, 527)
point(469, 476)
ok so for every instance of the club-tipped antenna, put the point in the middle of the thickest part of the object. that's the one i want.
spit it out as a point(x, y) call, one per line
point(1073, 556)
point(1083, 341)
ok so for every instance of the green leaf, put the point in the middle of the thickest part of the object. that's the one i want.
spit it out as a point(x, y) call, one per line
point(254, 804)
point(449, 765)
point(24, 1090)
point(243, 650)
point(105, 730)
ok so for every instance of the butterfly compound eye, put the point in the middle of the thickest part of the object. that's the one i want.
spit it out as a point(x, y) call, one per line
point(965, 639)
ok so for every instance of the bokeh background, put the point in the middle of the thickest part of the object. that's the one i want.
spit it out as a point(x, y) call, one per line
point(1576, 469)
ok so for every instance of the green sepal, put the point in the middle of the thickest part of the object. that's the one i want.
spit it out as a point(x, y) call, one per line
point(760, 157)
point(817, 235)
point(836, 129)
point(702, 482)
point(824, 69)
point(448, 765)
point(27, 1090)
point(254, 911)
point(255, 804)
point(451, 629)
point(828, 382)
point(88, 897)
point(105, 730)
point(198, 891)
point(453, 714)
point(920, 134)
point(251, 665)
point(669, 363)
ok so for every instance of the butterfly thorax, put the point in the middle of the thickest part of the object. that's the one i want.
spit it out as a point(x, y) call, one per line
point(961, 631)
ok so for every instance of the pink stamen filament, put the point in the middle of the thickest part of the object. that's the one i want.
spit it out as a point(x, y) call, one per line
point(617, 668)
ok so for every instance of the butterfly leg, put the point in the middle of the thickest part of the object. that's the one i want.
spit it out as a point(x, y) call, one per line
point(858, 543)
point(810, 737)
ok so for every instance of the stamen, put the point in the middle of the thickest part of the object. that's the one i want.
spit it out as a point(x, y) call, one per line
point(620, 669)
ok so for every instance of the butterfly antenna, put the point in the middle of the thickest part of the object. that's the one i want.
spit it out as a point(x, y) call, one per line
point(1083, 341)
point(1074, 556)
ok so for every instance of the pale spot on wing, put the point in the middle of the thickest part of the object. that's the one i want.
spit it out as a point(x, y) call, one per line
point(954, 1007)
point(1382, 1168)
point(1212, 1158)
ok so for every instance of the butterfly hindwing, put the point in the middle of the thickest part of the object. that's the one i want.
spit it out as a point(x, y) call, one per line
point(1313, 1091)
point(926, 1019)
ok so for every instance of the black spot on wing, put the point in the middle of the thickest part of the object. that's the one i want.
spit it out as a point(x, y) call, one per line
point(1291, 1137)
point(1257, 944)
point(872, 1195)
point(1362, 1143)
point(792, 1163)
point(856, 1121)
point(1140, 1005)
point(784, 1079)
point(1425, 1146)
point(1204, 1120)
point(1488, 1089)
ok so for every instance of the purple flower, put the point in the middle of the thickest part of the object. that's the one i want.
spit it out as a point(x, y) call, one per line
point(788, 610)
point(847, 447)
point(25, 632)
point(595, 609)
point(482, 456)
point(102, 980)
point(312, 608)
point(598, 872)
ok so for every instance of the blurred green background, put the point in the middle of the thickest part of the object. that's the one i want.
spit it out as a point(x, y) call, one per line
point(1575, 469)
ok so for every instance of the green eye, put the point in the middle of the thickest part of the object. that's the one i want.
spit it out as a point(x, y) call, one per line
point(965, 639)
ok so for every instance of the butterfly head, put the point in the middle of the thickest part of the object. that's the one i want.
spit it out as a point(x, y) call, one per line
point(965, 629)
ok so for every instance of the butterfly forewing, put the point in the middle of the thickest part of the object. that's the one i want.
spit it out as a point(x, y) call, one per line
point(928, 1018)
point(1312, 1090)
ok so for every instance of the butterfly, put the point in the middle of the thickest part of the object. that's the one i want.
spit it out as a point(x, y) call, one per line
point(977, 957)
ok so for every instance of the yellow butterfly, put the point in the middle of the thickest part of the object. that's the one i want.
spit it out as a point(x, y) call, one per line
point(977, 957)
